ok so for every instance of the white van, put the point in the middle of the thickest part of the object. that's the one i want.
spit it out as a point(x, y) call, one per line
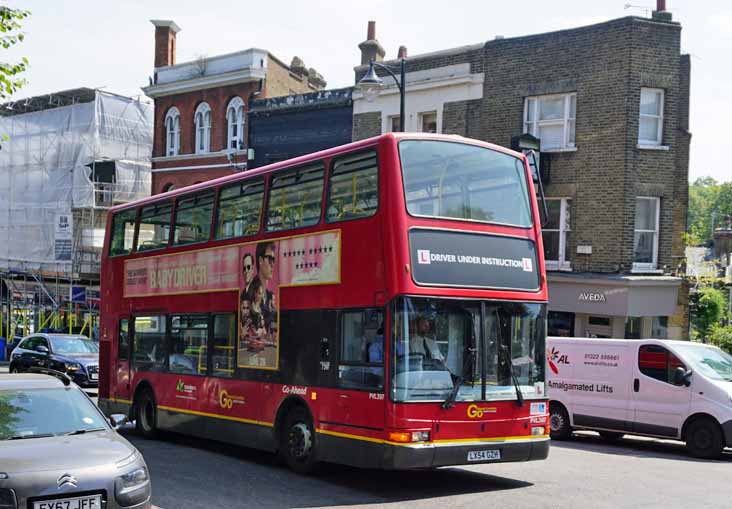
point(659, 388)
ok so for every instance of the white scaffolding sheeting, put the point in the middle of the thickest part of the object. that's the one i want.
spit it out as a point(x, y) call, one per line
point(47, 169)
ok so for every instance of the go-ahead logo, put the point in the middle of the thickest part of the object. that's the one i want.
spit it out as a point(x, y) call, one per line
point(227, 401)
point(476, 412)
point(554, 357)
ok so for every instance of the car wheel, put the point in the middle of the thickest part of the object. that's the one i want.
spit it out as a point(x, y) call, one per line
point(611, 436)
point(14, 370)
point(704, 438)
point(297, 441)
point(146, 414)
point(559, 427)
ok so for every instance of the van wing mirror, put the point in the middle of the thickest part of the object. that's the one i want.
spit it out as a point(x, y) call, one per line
point(682, 377)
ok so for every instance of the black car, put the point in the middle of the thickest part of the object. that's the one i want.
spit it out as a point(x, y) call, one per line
point(77, 356)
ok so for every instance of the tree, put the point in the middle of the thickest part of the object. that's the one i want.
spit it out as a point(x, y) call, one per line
point(722, 337)
point(10, 35)
point(709, 310)
point(702, 201)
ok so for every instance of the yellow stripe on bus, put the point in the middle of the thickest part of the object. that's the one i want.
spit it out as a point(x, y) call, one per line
point(454, 440)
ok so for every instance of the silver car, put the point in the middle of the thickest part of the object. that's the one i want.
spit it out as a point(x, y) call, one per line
point(58, 451)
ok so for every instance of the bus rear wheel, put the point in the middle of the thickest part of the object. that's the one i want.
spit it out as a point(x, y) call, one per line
point(297, 441)
point(146, 414)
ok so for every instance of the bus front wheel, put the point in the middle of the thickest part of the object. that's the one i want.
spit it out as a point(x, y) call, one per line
point(297, 443)
point(146, 414)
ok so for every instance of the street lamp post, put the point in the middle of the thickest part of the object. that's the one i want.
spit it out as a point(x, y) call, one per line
point(371, 84)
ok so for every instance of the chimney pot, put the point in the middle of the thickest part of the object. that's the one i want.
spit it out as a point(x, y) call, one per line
point(402, 52)
point(371, 32)
point(660, 5)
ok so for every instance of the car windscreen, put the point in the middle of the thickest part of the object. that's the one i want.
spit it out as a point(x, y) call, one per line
point(710, 361)
point(467, 182)
point(31, 413)
point(73, 345)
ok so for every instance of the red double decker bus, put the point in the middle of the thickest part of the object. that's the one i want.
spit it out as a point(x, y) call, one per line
point(380, 304)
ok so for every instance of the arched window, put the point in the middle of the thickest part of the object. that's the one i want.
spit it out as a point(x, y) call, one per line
point(203, 128)
point(172, 132)
point(235, 122)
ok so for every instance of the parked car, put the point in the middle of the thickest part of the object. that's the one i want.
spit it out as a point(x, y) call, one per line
point(668, 389)
point(77, 356)
point(60, 451)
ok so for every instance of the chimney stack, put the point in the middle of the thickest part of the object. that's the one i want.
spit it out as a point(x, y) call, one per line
point(661, 14)
point(402, 52)
point(165, 31)
point(370, 48)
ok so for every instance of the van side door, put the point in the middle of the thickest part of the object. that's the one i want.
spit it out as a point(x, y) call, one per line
point(659, 406)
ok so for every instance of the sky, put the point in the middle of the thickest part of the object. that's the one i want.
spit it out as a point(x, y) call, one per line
point(109, 44)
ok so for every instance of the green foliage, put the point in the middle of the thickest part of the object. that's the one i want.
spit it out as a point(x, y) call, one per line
point(722, 337)
point(707, 198)
point(10, 35)
point(709, 310)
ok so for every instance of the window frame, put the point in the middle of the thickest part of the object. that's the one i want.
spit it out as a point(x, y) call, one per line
point(421, 118)
point(262, 206)
point(309, 166)
point(327, 184)
point(646, 266)
point(235, 117)
point(192, 196)
point(169, 341)
point(135, 246)
point(668, 354)
point(340, 329)
point(128, 322)
point(133, 341)
point(659, 138)
point(532, 126)
point(202, 124)
point(563, 263)
point(172, 127)
point(135, 225)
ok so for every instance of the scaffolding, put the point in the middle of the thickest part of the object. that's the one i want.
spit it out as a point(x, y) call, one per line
point(70, 156)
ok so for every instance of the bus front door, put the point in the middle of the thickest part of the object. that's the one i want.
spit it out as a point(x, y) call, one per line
point(121, 389)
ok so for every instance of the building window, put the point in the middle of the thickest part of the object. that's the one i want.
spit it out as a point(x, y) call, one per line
point(659, 327)
point(428, 122)
point(235, 122)
point(650, 129)
point(555, 234)
point(394, 124)
point(560, 324)
point(172, 132)
point(633, 327)
point(551, 118)
point(645, 239)
point(203, 128)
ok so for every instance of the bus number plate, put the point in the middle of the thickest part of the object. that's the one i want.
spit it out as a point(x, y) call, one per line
point(485, 455)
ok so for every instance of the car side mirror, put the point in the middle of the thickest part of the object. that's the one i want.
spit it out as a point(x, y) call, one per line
point(118, 420)
point(682, 377)
point(42, 349)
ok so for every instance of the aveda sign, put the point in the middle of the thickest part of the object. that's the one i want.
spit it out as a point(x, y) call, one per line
point(592, 297)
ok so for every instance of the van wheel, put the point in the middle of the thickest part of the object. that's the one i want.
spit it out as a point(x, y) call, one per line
point(611, 436)
point(146, 414)
point(14, 370)
point(704, 438)
point(297, 441)
point(559, 427)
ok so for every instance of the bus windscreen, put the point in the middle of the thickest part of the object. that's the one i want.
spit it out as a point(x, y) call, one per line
point(460, 181)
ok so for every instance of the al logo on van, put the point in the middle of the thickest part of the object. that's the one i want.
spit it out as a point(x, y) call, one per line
point(554, 357)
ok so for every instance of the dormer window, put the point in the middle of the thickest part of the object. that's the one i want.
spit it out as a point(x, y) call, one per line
point(235, 123)
point(203, 128)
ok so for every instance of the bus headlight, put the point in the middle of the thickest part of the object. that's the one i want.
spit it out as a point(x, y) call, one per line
point(133, 487)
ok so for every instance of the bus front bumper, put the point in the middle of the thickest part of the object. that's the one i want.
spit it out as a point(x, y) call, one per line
point(439, 455)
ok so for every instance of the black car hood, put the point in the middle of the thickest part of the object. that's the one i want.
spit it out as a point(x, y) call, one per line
point(85, 359)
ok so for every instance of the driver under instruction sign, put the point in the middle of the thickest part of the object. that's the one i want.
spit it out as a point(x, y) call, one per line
point(472, 260)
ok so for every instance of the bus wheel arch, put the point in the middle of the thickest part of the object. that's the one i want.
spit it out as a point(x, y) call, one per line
point(560, 427)
point(144, 409)
point(703, 435)
point(294, 433)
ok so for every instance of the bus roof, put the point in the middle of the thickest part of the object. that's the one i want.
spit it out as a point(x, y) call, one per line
point(310, 157)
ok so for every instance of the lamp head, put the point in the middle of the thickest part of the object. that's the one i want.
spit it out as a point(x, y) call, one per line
point(370, 85)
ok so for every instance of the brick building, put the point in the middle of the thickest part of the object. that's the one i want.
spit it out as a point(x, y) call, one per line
point(610, 105)
point(201, 107)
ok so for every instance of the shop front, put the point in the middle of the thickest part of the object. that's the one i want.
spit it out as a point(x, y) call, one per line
point(613, 306)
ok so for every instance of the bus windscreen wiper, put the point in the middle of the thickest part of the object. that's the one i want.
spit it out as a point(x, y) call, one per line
point(450, 400)
point(507, 358)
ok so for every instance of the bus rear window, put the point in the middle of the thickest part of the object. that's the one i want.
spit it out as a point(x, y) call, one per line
point(123, 232)
point(461, 181)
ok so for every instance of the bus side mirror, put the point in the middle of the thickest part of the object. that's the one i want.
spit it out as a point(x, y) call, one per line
point(682, 377)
